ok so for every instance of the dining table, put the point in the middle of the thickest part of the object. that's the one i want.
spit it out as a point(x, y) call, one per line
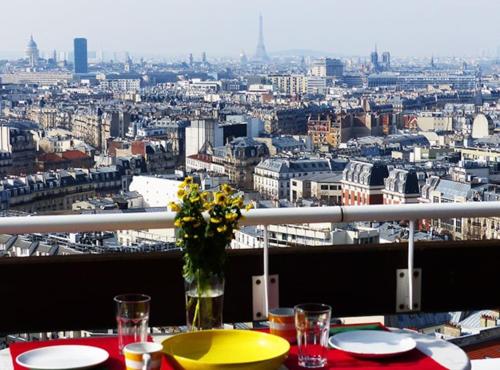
point(444, 353)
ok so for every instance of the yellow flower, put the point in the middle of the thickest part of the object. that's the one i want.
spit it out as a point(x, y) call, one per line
point(188, 180)
point(220, 198)
point(174, 207)
point(226, 189)
point(177, 223)
point(195, 187)
point(249, 207)
point(188, 219)
point(231, 216)
point(222, 228)
point(195, 237)
point(238, 202)
point(181, 193)
point(195, 199)
point(215, 220)
point(204, 195)
point(186, 236)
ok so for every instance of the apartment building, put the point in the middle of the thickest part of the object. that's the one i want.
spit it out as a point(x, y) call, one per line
point(272, 176)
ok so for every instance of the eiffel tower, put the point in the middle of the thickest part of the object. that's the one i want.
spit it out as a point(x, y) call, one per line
point(260, 52)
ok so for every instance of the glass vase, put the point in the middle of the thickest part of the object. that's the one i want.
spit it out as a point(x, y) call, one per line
point(204, 301)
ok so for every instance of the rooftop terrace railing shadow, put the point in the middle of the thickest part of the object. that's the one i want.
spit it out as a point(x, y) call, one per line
point(76, 292)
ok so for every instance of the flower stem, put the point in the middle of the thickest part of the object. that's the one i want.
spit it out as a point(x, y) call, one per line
point(197, 315)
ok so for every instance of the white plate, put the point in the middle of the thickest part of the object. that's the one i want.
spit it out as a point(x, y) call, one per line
point(372, 343)
point(63, 357)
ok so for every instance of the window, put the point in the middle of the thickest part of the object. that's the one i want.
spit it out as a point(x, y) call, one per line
point(324, 187)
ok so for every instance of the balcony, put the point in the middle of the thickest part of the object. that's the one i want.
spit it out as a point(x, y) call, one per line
point(75, 292)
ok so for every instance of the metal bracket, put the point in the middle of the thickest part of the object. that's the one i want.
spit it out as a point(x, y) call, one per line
point(403, 290)
point(259, 303)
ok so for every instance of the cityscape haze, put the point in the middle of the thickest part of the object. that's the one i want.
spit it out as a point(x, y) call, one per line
point(225, 27)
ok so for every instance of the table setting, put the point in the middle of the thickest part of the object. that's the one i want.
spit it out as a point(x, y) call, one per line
point(299, 337)
point(317, 344)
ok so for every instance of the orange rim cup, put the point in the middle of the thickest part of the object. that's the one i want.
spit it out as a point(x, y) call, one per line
point(282, 323)
point(139, 354)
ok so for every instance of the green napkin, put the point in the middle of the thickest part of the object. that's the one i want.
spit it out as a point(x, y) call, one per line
point(341, 329)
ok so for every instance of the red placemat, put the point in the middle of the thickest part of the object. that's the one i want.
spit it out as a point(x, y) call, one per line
point(110, 344)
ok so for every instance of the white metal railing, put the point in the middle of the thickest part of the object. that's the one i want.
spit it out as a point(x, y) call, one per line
point(268, 216)
point(264, 217)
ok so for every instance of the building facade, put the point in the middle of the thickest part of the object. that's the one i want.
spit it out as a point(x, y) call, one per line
point(272, 176)
point(80, 54)
point(363, 183)
point(239, 158)
point(288, 84)
point(327, 67)
point(324, 131)
point(401, 187)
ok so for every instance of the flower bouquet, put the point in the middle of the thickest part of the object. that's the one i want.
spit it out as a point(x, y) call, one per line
point(205, 223)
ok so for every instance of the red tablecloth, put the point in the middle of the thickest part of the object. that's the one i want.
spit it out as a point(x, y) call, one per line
point(110, 344)
point(336, 359)
point(339, 360)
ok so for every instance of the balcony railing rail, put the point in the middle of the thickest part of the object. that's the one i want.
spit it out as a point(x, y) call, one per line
point(71, 292)
point(269, 216)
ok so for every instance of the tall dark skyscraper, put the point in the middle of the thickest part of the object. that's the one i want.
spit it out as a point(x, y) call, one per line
point(80, 52)
point(374, 59)
point(260, 53)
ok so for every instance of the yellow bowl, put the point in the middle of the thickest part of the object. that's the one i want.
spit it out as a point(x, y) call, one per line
point(226, 349)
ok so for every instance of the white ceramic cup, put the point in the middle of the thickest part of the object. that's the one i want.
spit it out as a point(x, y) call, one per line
point(143, 356)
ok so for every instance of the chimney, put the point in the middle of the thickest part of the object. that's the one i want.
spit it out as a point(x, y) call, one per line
point(487, 321)
point(452, 330)
point(495, 313)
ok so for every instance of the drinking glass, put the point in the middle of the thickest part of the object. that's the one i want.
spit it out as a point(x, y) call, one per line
point(132, 316)
point(312, 322)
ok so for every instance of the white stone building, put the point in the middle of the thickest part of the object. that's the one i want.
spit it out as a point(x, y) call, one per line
point(317, 234)
point(272, 176)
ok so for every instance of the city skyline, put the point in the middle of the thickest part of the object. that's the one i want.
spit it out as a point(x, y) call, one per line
point(443, 28)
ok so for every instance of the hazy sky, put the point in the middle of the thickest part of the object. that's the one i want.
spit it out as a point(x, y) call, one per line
point(225, 27)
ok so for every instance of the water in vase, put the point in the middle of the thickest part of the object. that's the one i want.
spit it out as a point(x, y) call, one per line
point(204, 309)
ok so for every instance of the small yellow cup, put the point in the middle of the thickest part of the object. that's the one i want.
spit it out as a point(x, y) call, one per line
point(282, 323)
point(143, 356)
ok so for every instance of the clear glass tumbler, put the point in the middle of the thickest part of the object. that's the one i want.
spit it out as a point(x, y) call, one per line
point(312, 321)
point(132, 316)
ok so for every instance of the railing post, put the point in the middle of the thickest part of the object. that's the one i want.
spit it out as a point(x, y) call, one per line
point(411, 251)
point(409, 281)
point(265, 288)
point(266, 271)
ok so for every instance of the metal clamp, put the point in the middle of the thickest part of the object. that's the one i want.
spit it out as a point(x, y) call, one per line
point(403, 301)
point(258, 295)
